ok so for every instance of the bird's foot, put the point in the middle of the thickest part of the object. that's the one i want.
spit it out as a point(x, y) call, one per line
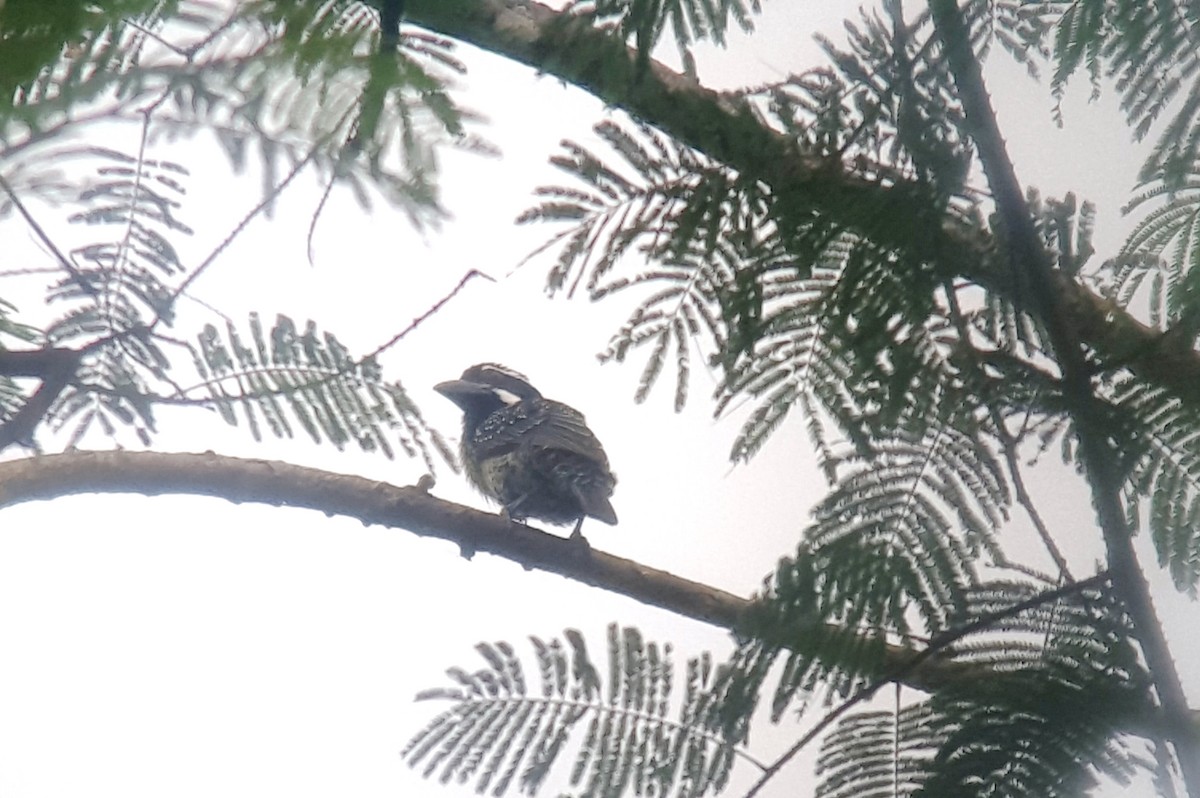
point(507, 515)
point(577, 537)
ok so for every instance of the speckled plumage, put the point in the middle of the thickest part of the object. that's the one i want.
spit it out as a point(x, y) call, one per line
point(533, 455)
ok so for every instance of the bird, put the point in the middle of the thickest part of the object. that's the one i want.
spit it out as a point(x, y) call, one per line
point(534, 456)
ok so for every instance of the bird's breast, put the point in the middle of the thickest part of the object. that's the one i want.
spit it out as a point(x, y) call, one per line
point(495, 472)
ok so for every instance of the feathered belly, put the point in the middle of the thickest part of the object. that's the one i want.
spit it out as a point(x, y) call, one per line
point(545, 484)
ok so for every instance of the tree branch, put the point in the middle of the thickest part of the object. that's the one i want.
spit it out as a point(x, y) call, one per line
point(39, 363)
point(415, 510)
point(727, 129)
point(55, 368)
point(1097, 451)
point(412, 508)
point(938, 643)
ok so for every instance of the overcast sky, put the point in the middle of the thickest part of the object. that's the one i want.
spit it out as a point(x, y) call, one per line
point(190, 647)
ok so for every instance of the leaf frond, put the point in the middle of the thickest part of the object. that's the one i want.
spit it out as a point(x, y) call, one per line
point(501, 733)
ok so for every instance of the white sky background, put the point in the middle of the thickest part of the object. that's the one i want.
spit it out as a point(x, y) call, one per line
point(190, 647)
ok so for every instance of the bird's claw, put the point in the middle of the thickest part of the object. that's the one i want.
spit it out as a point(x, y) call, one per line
point(577, 537)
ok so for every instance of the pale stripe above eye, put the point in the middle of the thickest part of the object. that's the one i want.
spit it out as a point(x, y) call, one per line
point(508, 397)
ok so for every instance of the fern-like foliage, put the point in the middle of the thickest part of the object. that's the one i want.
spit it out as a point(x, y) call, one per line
point(909, 116)
point(1063, 680)
point(11, 395)
point(115, 288)
point(844, 346)
point(902, 530)
point(1067, 227)
point(1159, 268)
point(729, 283)
point(11, 329)
point(1150, 48)
point(655, 202)
point(286, 82)
point(1015, 26)
point(298, 85)
point(879, 753)
point(891, 556)
point(645, 21)
point(762, 286)
point(319, 71)
point(1035, 728)
point(1164, 247)
point(114, 296)
point(669, 204)
point(285, 377)
point(1163, 467)
point(895, 543)
point(502, 732)
point(1027, 740)
point(37, 34)
point(791, 625)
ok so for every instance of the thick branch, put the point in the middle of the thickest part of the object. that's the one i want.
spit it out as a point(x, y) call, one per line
point(55, 368)
point(415, 510)
point(1097, 451)
point(727, 130)
point(410, 508)
point(39, 363)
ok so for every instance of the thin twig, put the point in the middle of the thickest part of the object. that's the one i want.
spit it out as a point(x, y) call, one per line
point(160, 39)
point(416, 322)
point(27, 272)
point(1008, 444)
point(347, 368)
point(271, 196)
point(316, 216)
point(44, 237)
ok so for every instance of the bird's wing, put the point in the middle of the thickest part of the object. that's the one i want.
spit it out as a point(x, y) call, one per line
point(544, 424)
point(565, 428)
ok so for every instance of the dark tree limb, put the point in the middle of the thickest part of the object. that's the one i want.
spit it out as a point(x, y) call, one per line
point(1097, 451)
point(39, 363)
point(726, 129)
point(391, 13)
point(55, 368)
point(414, 509)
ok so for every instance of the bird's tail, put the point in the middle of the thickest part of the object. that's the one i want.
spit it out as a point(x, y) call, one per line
point(598, 507)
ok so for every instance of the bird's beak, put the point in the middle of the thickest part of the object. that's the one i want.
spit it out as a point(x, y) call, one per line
point(457, 388)
point(458, 391)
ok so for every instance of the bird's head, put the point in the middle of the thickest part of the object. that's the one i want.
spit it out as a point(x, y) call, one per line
point(487, 387)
